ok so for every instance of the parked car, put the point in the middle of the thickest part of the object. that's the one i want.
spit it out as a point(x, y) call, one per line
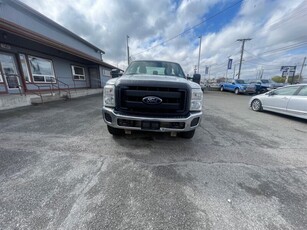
point(238, 86)
point(289, 100)
point(264, 85)
point(203, 85)
point(214, 86)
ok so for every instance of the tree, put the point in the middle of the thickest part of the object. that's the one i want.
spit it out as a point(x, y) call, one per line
point(294, 80)
point(291, 80)
point(279, 79)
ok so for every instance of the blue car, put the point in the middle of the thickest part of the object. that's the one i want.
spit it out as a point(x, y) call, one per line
point(238, 86)
point(264, 85)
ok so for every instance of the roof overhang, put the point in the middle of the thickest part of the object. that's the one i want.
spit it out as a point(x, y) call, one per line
point(41, 39)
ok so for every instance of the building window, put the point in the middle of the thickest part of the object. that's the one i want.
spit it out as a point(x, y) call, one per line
point(78, 72)
point(42, 70)
point(24, 67)
point(107, 73)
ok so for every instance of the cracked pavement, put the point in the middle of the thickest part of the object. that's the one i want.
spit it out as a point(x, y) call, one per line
point(60, 169)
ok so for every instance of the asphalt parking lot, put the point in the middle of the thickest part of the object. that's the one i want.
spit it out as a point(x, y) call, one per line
point(60, 169)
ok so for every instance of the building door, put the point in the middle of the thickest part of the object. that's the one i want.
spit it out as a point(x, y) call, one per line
point(94, 78)
point(9, 73)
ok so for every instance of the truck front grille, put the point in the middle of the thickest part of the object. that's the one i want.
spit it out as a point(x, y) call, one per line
point(174, 100)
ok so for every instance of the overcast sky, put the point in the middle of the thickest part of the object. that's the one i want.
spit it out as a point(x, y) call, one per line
point(170, 30)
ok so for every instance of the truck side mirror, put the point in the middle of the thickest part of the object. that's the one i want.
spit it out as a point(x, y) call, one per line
point(196, 78)
point(116, 73)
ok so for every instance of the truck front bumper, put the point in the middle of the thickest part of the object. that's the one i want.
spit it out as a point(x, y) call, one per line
point(156, 124)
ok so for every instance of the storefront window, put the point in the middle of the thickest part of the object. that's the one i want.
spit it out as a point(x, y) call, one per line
point(24, 67)
point(42, 70)
point(9, 71)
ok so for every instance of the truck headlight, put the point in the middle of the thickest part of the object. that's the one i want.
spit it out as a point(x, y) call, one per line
point(196, 100)
point(109, 96)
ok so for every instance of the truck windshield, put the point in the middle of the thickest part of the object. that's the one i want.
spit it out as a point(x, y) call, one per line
point(155, 68)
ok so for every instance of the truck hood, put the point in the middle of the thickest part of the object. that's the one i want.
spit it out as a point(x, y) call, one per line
point(158, 79)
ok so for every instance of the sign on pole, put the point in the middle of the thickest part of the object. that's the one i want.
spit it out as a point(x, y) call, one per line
point(207, 70)
point(229, 63)
point(288, 71)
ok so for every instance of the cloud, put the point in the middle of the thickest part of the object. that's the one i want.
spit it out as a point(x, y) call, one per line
point(270, 24)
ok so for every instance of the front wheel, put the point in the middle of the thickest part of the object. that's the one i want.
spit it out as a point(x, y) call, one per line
point(115, 131)
point(256, 105)
point(188, 134)
point(237, 91)
point(222, 89)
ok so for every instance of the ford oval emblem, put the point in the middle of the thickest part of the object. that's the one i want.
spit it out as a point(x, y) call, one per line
point(152, 100)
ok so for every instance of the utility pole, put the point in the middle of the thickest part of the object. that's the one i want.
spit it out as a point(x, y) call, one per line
point(242, 49)
point(300, 76)
point(128, 56)
point(199, 53)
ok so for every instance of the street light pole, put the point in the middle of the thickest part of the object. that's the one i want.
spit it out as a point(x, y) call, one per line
point(300, 76)
point(234, 71)
point(128, 56)
point(199, 54)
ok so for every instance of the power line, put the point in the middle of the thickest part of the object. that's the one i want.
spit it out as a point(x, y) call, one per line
point(275, 24)
point(254, 55)
point(253, 60)
point(297, 13)
point(220, 66)
point(262, 64)
point(187, 30)
point(300, 39)
point(289, 47)
point(280, 49)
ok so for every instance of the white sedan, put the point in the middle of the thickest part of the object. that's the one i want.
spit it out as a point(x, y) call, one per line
point(290, 100)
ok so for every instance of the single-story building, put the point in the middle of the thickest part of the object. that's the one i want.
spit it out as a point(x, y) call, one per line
point(38, 54)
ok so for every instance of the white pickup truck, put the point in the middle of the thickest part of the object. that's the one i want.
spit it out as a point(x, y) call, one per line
point(152, 96)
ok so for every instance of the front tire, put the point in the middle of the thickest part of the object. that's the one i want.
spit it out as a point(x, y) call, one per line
point(237, 91)
point(115, 131)
point(222, 89)
point(256, 105)
point(188, 134)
